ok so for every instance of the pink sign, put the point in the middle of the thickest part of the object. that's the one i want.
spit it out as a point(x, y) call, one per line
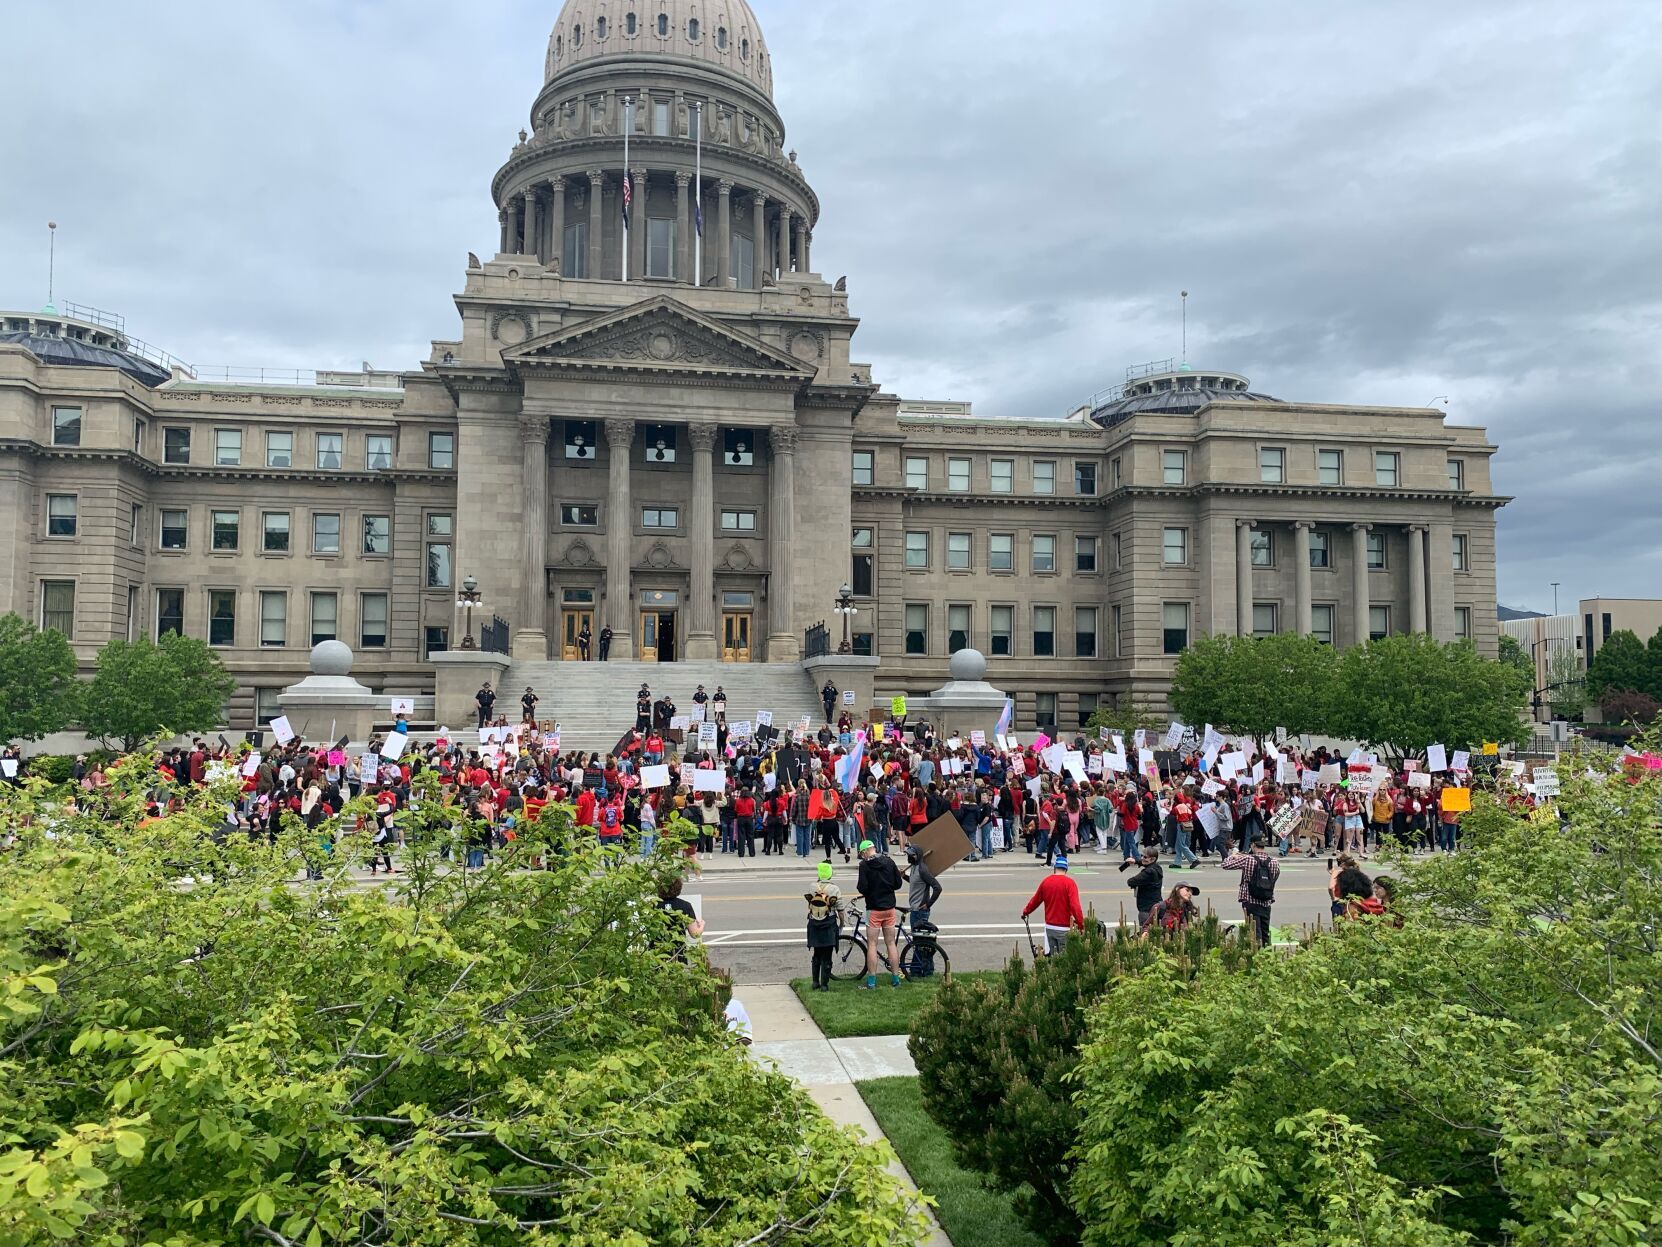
point(337, 757)
point(1040, 741)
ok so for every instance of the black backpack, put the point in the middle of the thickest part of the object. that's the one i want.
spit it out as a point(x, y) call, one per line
point(1261, 882)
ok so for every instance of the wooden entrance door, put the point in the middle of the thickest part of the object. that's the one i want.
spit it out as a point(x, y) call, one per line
point(735, 636)
point(571, 623)
point(649, 636)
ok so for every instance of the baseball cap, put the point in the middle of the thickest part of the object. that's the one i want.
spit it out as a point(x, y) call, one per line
point(866, 844)
point(1061, 863)
point(824, 871)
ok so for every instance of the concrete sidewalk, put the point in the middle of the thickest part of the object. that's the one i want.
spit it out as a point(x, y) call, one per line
point(786, 1037)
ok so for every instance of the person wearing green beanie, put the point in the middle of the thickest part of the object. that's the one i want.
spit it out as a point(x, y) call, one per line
point(825, 924)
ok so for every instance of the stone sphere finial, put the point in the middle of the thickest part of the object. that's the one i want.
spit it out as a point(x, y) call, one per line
point(969, 665)
point(331, 658)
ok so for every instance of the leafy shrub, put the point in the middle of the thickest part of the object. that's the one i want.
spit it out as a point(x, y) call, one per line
point(55, 768)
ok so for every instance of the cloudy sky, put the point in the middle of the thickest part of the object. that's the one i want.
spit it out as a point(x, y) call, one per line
point(1369, 202)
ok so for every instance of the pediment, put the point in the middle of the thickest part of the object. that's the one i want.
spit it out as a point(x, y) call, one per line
point(659, 335)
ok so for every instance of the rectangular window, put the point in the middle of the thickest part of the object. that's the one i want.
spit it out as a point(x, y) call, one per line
point(63, 517)
point(1330, 467)
point(170, 612)
point(864, 643)
point(580, 515)
point(439, 552)
point(1084, 479)
point(435, 639)
point(326, 532)
point(1385, 468)
point(958, 475)
point(222, 617)
point(1044, 709)
point(1173, 469)
point(1174, 546)
point(378, 452)
point(1457, 474)
point(917, 472)
point(1002, 625)
point(1000, 552)
point(1272, 465)
point(66, 426)
point(958, 553)
point(1044, 631)
point(1460, 564)
point(274, 618)
point(738, 521)
point(1376, 552)
point(744, 262)
point(1084, 554)
point(917, 549)
point(372, 617)
point(1263, 618)
point(227, 448)
point(1321, 624)
point(138, 436)
point(175, 445)
point(225, 529)
point(1044, 552)
point(1116, 618)
point(957, 628)
point(57, 607)
point(574, 250)
point(1119, 551)
point(660, 247)
point(173, 525)
point(1320, 552)
point(1044, 476)
point(1263, 548)
point(1084, 631)
point(266, 706)
point(441, 451)
point(377, 534)
point(864, 579)
point(917, 629)
point(330, 448)
point(1379, 622)
point(660, 118)
point(1174, 627)
point(279, 450)
point(1116, 472)
point(862, 467)
point(1087, 708)
point(274, 532)
point(135, 525)
point(1462, 623)
point(660, 517)
point(738, 448)
point(325, 617)
point(1001, 476)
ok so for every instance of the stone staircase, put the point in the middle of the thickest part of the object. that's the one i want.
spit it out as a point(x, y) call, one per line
point(594, 702)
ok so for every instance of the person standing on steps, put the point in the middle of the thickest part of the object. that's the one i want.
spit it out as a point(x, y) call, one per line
point(606, 643)
point(485, 699)
point(718, 706)
point(828, 695)
point(584, 638)
point(877, 882)
point(643, 709)
point(528, 705)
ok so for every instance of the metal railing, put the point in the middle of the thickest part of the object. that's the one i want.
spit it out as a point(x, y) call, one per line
point(493, 637)
point(96, 316)
point(816, 641)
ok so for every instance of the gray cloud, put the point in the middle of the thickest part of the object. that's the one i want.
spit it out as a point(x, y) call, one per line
point(1370, 204)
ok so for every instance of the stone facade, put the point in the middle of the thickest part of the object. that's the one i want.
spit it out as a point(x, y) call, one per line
point(683, 455)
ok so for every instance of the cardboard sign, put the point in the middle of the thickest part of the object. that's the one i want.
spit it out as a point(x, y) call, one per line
point(739, 730)
point(1307, 780)
point(1207, 817)
point(251, 764)
point(1213, 741)
point(1419, 779)
point(1329, 774)
point(281, 730)
point(942, 843)
point(1283, 821)
point(394, 744)
point(337, 757)
point(897, 707)
point(1490, 749)
point(1461, 760)
point(764, 718)
point(1312, 821)
point(1174, 734)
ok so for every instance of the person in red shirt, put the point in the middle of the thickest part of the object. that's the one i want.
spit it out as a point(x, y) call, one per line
point(1059, 894)
point(585, 808)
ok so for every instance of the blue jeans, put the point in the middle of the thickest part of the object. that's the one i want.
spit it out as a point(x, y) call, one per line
point(1128, 843)
point(802, 841)
point(1445, 836)
point(1182, 849)
point(649, 843)
point(984, 835)
point(476, 857)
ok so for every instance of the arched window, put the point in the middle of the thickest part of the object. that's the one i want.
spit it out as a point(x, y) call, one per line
point(663, 25)
point(629, 24)
point(559, 46)
point(692, 29)
point(599, 28)
point(576, 37)
point(721, 38)
point(744, 49)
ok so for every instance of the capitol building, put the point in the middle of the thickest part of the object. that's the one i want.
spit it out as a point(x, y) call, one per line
point(671, 434)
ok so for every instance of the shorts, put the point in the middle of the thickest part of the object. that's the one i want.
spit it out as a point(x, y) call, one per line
point(877, 919)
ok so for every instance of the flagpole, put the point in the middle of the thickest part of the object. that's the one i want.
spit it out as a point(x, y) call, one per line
point(698, 193)
point(628, 125)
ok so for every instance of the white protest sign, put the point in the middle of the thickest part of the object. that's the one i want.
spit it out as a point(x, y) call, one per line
point(696, 714)
point(281, 730)
point(1211, 788)
point(710, 781)
point(1436, 759)
point(1073, 761)
point(403, 706)
point(8, 767)
point(1093, 764)
point(848, 697)
point(1115, 762)
point(978, 738)
point(706, 735)
point(1053, 756)
point(1285, 771)
point(655, 776)
point(1329, 774)
point(1213, 741)
point(1257, 772)
point(687, 773)
point(1419, 779)
point(1308, 781)
point(764, 718)
point(1232, 763)
point(1033, 786)
point(369, 765)
point(1145, 759)
point(1546, 781)
point(251, 764)
point(1174, 734)
point(739, 730)
point(1207, 817)
point(679, 722)
point(1461, 760)
point(394, 744)
point(1139, 738)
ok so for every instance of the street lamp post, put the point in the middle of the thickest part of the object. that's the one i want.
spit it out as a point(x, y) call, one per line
point(467, 599)
point(846, 608)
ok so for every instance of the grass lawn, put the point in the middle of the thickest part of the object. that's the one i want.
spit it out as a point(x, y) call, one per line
point(971, 1215)
point(847, 1009)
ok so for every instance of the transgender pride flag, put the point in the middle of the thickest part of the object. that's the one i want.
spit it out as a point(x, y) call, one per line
point(848, 768)
point(1006, 717)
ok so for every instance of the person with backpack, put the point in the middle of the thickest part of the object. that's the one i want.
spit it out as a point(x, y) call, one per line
point(923, 890)
point(825, 923)
point(1259, 872)
point(1176, 912)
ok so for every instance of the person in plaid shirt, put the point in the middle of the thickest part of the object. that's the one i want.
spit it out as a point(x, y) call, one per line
point(1254, 904)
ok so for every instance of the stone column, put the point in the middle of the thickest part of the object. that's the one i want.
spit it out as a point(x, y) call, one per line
point(724, 233)
point(701, 529)
point(557, 227)
point(597, 189)
point(1360, 604)
point(1416, 578)
point(620, 523)
point(502, 231)
point(530, 639)
point(805, 240)
point(783, 643)
point(758, 231)
point(1301, 574)
point(683, 230)
point(784, 240)
point(637, 233)
point(1243, 577)
point(528, 223)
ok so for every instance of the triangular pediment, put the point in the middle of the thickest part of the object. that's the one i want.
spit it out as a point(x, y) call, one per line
point(658, 335)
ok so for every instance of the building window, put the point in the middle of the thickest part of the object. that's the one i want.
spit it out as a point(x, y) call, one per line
point(326, 532)
point(1330, 467)
point(574, 248)
point(57, 607)
point(378, 452)
point(62, 515)
point(1173, 469)
point(958, 475)
point(692, 30)
point(330, 447)
point(917, 472)
point(660, 242)
point(222, 617)
point(1376, 552)
point(1263, 547)
point(1462, 623)
point(917, 629)
point(441, 450)
point(739, 448)
point(1460, 563)
point(377, 534)
point(274, 532)
point(1001, 476)
point(170, 612)
point(66, 426)
point(1044, 552)
point(1174, 627)
point(135, 525)
point(173, 529)
point(1379, 622)
point(1116, 620)
point(1001, 555)
point(435, 638)
point(175, 445)
point(1263, 618)
point(279, 450)
point(1174, 546)
point(266, 706)
point(138, 436)
point(580, 515)
point(1321, 624)
point(1119, 551)
point(1084, 631)
point(224, 529)
point(660, 517)
point(1044, 476)
point(957, 628)
point(1044, 631)
point(1385, 468)
point(1320, 553)
point(227, 448)
point(1272, 465)
point(958, 553)
point(743, 251)
point(660, 118)
point(864, 578)
point(1084, 554)
point(917, 549)
point(372, 616)
point(1087, 707)
point(862, 467)
point(721, 38)
point(1044, 709)
point(440, 529)
point(1084, 479)
point(738, 521)
point(1604, 634)
point(657, 444)
point(274, 618)
point(1116, 472)
point(629, 23)
point(1457, 474)
point(325, 617)
point(1001, 626)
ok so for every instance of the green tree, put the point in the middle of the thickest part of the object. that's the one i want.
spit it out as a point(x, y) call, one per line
point(1402, 693)
point(142, 687)
point(1513, 654)
point(38, 688)
point(1622, 662)
point(1566, 683)
point(1653, 652)
point(479, 1058)
point(1123, 722)
point(1252, 685)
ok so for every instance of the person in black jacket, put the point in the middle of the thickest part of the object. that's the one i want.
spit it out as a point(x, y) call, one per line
point(877, 882)
point(1146, 883)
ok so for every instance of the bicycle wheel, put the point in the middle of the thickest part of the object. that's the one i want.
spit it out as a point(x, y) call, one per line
point(939, 966)
point(848, 958)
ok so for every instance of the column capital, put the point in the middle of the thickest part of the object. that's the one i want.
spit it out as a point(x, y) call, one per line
point(724, 187)
point(782, 437)
point(620, 433)
point(596, 177)
point(758, 199)
point(1360, 528)
point(557, 184)
point(1304, 524)
point(701, 436)
point(1417, 528)
point(533, 429)
point(681, 181)
point(530, 193)
point(639, 175)
point(1239, 523)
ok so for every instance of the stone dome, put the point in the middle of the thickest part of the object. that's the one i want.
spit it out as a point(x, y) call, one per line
point(969, 665)
point(720, 33)
point(331, 658)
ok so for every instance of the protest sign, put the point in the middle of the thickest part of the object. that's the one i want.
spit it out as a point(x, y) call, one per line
point(1546, 781)
point(1419, 779)
point(706, 735)
point(369, 765)
point(1174, 734)
point(1308, 780)
point(8, 767)
point(1283, 821)
point(1093, 764)
point(1213, 740)
point(394, 744)
point(403, 706)
point(1456, 800)
point(897, 707)
point(251, 764)
point(1073, 761)
point(1207, 817)
point(739, 730)
point(978, 738)
point(1312, 821)
point(1115, 762)
point(1052, 755)
point(1211, 788)
point(764, 718)
point(336, 757)
point(1257, 772)
point(1436, 759)
point(714, 780)
point(942, 843)
point(1490, 749)
point(1285, 771)
point(655, 776)
point(848, 697)
point(1461, 760)
point(1329, 774)
point(697, 714)
point(281, 730)
point(679, 722)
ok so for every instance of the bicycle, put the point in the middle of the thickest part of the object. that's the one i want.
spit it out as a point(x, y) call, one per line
point(848, 959)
